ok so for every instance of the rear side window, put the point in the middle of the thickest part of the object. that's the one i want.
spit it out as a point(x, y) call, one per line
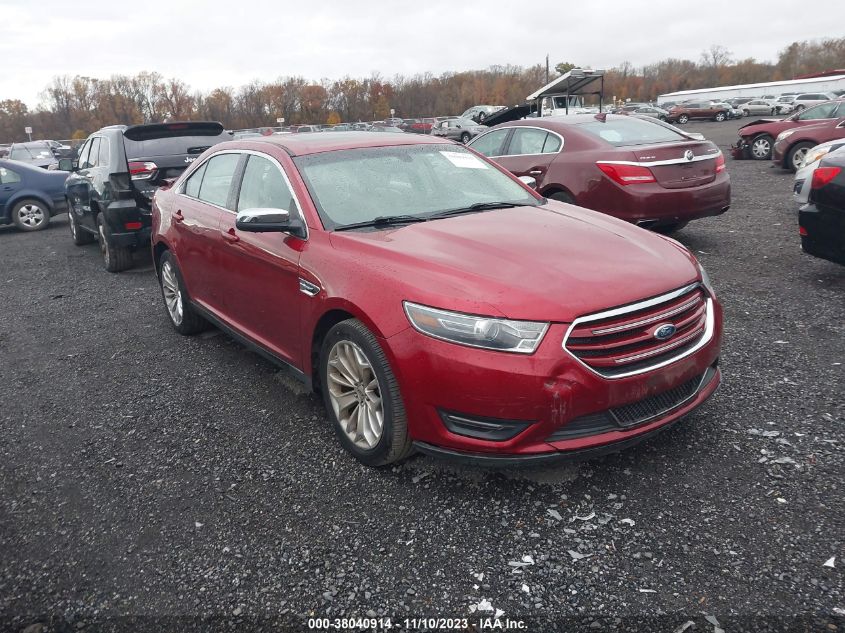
point(103, 160)
point(91, 159)
point(218, 179)
point(263, 187)
point(527, 141)
point(629, 131)
point(490, 144)
point(7, 176)
point(192, 185)
point(83, 153)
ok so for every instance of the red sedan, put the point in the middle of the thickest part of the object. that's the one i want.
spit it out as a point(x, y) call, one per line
point(435, 301)
point(634, 168)
point(793, 144)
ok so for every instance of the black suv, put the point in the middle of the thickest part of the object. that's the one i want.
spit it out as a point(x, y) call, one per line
point(115, 175)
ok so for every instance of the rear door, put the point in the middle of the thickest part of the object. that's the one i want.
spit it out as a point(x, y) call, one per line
point(79, 183)
point(200, 203)
point(530, 151)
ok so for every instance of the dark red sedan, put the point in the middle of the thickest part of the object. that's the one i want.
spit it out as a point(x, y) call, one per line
point(631, 167)
point(435, 301)
point(792, 145)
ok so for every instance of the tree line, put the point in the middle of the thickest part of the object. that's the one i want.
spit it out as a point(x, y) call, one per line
point(73, 107)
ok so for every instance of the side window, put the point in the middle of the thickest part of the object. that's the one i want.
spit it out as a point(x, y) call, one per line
point(91, 160)
point(218, 179)
point(83, 153)
point(490, 144)
point(192, 185)
point(527, 141)
point(264, 187)
point(8, 177)
point(823, 111)
point(552, 145)
point(103, 160)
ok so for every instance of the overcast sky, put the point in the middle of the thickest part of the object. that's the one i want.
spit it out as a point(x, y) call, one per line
point(211, 43)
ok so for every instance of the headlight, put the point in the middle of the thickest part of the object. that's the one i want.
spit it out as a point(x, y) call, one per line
point(785, 134)
point(705, 279)
point(814, 154)
point(503, 335)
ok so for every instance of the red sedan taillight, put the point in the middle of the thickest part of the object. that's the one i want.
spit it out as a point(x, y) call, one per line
point(142, 170)
point(824, 175)
point(627, 174)
point(720, 163)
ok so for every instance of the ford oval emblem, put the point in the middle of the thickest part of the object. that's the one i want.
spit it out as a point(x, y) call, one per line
point(689, 155)
point(664, 331)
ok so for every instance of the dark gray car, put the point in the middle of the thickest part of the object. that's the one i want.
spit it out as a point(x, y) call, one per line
point(35, 153)
point(458, 129)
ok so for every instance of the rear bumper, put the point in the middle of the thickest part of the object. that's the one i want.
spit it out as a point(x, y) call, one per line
point(59, 205)
point(824, 232)
point(132, 239)
point(122, 217)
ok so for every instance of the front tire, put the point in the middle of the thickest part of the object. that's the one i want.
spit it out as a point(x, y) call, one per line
point(795, 157)
point(721, 116)
point(30, 215)
point(683, 119)
point(183, 317)
point(465, 138)
point(761, 147)
point(115, 258)
point(362, 396)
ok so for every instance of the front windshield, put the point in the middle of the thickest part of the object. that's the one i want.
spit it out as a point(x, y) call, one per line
point(360, 185)
point(22, 152)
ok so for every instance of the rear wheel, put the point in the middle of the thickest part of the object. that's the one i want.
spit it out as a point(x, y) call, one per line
point(115, 258)
point(761, 147)
point(183, 317)
point(30, 215)
point(465, 138)
point(563, 196)
point(362, 396)
point(666, 229)
point(80, 236)
point(746, 113)
point(795, 156)
point(683, 118)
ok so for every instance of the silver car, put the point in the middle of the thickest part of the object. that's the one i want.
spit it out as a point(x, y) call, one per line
point(759, 106)
point(458, 129)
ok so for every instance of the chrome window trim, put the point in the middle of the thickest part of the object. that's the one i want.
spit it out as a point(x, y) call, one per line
point(520, 127)
point(658, 163)
point(706, 337)
point(181, 189)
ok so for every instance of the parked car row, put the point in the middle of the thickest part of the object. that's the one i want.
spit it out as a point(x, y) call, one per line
point(787, 141)
point(385, 272)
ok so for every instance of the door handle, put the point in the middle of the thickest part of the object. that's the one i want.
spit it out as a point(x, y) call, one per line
point(7, 188)
point(230, 236)
point(178, 217)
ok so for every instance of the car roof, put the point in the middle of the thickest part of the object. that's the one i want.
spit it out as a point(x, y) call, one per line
point(563, 122)
point(304, 144)
point(18, 165)
point(30, 144)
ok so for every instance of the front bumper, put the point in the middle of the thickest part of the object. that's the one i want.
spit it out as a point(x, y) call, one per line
point(546, 391)
point(741, 150)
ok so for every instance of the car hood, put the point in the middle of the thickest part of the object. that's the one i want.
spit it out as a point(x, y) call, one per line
point(550, 263)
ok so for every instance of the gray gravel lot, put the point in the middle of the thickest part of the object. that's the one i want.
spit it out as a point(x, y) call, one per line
point(146, 475)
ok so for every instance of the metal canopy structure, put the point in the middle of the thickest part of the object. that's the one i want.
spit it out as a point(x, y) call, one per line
point(573, 82)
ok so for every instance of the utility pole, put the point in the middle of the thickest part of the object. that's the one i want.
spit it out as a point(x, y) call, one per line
point(547, 68)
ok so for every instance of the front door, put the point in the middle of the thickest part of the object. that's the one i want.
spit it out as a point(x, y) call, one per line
point(259, 274)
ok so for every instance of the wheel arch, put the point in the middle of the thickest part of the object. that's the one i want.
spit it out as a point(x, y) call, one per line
point(29, 194)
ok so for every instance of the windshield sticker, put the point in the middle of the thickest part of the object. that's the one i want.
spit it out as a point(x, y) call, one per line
point(467, 161)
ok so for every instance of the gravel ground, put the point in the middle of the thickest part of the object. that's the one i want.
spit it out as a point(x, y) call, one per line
point(156, 482)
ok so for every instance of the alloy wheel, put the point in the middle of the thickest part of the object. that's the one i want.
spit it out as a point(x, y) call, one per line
point(172, 293)
point(355, 394)
point(31, 215)
point(798, 157)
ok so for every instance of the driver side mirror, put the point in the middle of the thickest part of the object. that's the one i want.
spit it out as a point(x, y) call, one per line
point(66, 164)
point(262, 220)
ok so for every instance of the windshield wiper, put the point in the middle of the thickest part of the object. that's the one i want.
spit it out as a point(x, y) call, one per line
point(473, 208)
point(383, 220)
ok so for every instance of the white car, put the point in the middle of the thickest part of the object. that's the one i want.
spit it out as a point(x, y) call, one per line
point(785, 104)
point(804, 176)
point(810, 99)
